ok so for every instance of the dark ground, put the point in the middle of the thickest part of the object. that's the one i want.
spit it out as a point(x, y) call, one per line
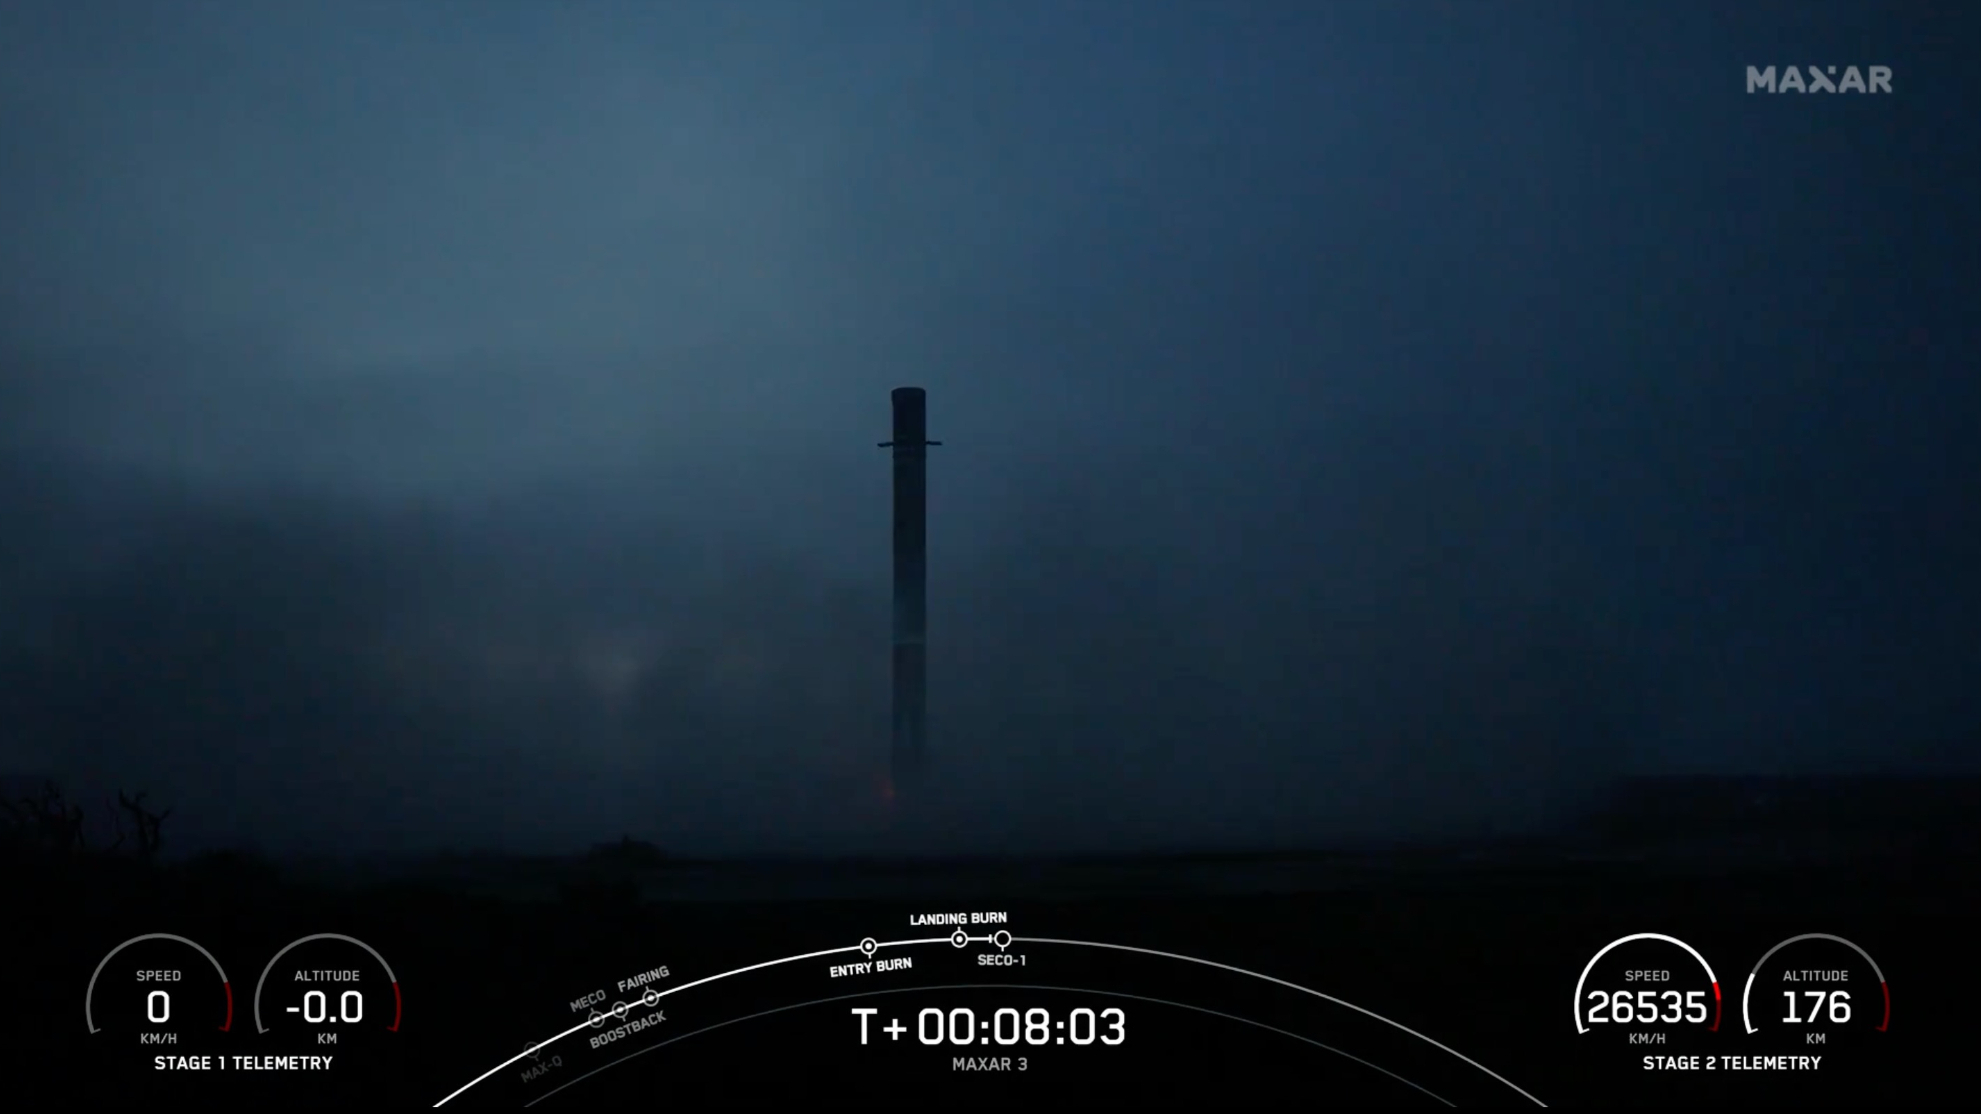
point(1479, 950)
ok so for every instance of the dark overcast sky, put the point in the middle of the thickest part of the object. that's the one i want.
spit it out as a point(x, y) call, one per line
point(453, 423)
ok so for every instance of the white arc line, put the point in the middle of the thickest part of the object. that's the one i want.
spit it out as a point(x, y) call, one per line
point(995, 986)
point(1576, 1004)
point(581, 1026)
point(1290, 986)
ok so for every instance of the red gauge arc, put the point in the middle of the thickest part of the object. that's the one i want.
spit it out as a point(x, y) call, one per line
point(89, 996)
point(398, 1001)
point(1576, 1004)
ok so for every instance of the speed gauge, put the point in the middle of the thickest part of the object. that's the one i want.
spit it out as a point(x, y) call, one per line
point(159, 989)
point(1650, 990)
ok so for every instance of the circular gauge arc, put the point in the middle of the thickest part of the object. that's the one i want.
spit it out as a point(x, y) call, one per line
point(89, 995)
point(1581, 981)
point(398, 1004)
point(1884, 988)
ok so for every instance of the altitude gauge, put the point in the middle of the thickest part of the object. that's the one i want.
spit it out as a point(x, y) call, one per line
point(1649, 990)
point(1817, 991)
point(160, 991)
point(326, 993)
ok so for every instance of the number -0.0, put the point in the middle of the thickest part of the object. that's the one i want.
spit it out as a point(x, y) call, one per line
point(350, 1007)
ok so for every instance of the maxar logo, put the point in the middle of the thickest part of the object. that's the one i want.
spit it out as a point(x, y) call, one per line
point(1763, 81)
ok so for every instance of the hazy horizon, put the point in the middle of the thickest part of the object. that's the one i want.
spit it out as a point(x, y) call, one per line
point(451, 426)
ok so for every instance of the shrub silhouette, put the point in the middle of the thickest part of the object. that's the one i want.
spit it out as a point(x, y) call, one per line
point(44, 825)
point(145, 821)
point(48, 826)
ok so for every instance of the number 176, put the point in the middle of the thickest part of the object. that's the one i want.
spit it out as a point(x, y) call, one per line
point(1839, 1006)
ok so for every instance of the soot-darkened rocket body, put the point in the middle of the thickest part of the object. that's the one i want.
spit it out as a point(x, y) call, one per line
point(911, 553)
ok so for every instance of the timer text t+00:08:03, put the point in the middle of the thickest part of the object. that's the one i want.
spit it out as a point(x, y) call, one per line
point(1036, 1027)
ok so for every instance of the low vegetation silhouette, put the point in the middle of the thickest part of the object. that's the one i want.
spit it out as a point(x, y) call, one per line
point(48, 827)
